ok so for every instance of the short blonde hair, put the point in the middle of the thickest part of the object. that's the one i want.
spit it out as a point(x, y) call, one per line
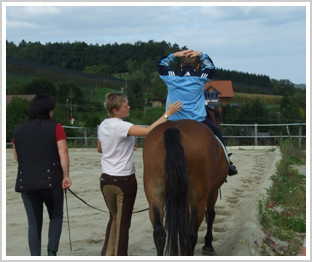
point(113, 101)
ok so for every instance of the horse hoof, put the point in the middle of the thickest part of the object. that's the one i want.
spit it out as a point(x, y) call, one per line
point(209, 251)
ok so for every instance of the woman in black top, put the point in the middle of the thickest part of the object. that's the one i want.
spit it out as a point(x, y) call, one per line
point(43, 171)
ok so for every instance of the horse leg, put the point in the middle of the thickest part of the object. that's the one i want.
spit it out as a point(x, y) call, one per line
point(196, 218)
point(210, 216)
point(193, 231)
point(159, 232)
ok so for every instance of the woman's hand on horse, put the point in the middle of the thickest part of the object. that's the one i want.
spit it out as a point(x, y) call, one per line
point(173, 108)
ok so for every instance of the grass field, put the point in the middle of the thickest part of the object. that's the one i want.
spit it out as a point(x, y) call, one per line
point(242, 98)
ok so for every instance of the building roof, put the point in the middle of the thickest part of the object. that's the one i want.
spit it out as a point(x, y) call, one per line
point(28, 97)
point(223, 87)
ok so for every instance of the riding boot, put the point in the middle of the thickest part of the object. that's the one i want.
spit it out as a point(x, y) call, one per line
point(232, 168)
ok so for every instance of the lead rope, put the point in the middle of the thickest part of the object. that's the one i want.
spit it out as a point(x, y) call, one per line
point(70, 244)
point(98, 208)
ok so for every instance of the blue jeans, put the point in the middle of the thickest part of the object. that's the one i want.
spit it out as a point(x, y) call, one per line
point(33, 202)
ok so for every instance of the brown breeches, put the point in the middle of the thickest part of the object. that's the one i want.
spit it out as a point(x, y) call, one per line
point(119, 194)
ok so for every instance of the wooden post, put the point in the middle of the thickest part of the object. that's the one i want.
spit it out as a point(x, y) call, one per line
point(300, 135)
point(256, 134)
point(289, 136)
point(85, 137)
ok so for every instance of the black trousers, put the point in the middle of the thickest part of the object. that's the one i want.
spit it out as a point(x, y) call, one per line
point(33, 202)
point(214, 129)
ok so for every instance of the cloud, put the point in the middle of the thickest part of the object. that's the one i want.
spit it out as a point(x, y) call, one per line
point(234, 34)
point(32, 11)
point(16, 24)
point(266, 15)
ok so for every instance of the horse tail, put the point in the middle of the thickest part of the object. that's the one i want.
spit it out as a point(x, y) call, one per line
point(176, 208)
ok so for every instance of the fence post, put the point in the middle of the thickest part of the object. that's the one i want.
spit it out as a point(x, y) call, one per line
point(85, 137)
point(256, 134)
point(287, 128)
point(300, 135)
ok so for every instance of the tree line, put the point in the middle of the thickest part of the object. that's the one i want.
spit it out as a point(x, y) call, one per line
point(137, 66)
point(137, 59)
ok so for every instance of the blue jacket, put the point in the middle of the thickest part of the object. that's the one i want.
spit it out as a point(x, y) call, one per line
point(186, 85)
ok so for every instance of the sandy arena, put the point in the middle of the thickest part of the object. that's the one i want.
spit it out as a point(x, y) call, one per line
point(235, 211)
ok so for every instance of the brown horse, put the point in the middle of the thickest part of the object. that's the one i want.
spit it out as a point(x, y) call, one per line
point(184, 166)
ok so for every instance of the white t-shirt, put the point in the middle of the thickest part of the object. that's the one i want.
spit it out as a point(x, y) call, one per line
point(117, 147)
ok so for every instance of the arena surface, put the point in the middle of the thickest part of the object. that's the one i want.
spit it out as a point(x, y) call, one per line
point(235, 211)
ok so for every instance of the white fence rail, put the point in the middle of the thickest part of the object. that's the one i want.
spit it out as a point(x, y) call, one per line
point(85, 133)
point(257, 135)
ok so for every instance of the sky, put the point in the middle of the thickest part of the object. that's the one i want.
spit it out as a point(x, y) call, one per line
point(250, 37)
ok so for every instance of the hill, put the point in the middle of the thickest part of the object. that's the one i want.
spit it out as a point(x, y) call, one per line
point(109, 59)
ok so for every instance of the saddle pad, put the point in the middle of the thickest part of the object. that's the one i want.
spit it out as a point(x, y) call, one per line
point(224, 149)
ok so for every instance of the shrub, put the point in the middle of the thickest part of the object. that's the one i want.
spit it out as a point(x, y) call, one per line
point(16, 114)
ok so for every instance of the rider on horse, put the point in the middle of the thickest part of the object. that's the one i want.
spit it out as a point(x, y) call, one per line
point(188, 86)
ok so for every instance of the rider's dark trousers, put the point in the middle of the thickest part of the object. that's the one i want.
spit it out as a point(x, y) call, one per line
point(214, 129)
point(119, 194)
point(33, 202)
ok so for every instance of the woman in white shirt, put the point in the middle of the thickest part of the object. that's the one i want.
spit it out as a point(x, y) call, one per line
point(118, 182)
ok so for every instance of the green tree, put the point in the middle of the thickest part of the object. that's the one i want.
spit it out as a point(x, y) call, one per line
point(131, 65)
point(230, 117)
point(293, 107)
point(72, 92)
point(283, 87)
point(60, 115)
point(135, 95)
point(137, 75)
point(254, 112)
point(92, 121)
point(11, 49)
point(39, 86)
point(16, 114)
point(104, 70)
point(147, 68)
point(159, 89)
point(94, 69)
point(16, 89)
point(77, 56)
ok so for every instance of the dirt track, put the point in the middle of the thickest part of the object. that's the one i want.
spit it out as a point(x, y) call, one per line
point(235, 212)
